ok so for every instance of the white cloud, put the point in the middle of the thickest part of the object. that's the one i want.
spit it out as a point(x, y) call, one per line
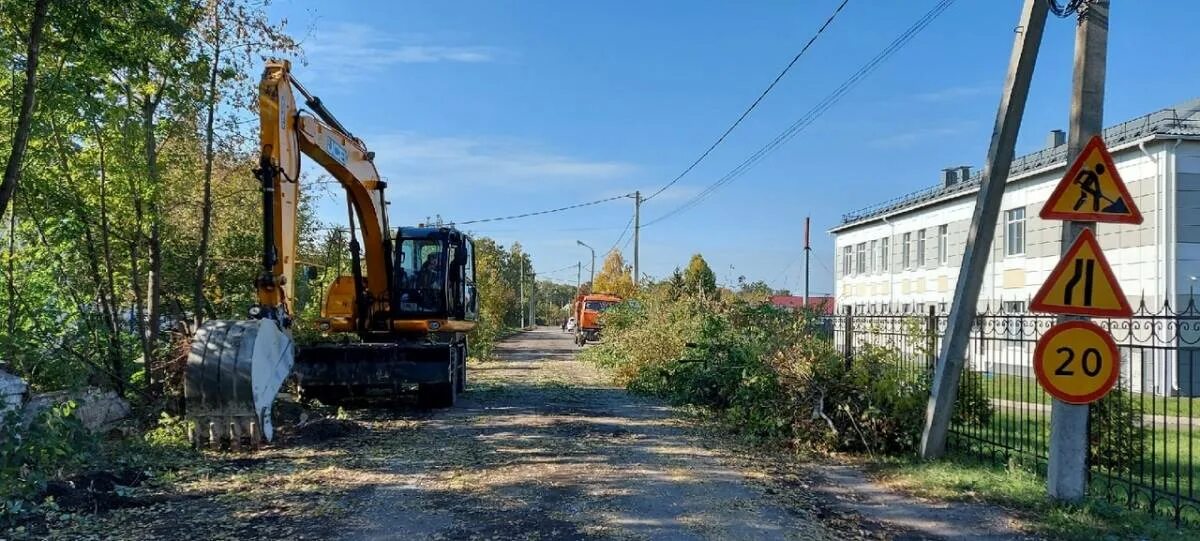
point(446, 163)
point(955, 92)
point(909, 138)
point(349, 51)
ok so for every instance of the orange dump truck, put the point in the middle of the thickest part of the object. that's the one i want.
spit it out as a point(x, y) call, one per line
point(587, 315)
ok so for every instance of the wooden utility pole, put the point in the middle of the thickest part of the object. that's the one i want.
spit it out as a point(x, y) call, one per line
point(1066, 473)
point(983, 228)
point(637, 229)
point(521, 293)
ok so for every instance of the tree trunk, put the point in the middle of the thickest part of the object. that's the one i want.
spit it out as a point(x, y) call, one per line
point(112, 309)
point(12, 170)
point(11, 284)
point(206, 206)
point(154, 370)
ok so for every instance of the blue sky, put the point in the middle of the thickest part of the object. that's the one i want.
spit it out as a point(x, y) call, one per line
point(491, 108)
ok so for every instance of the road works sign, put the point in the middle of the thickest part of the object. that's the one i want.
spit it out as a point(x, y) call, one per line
point(1077, 362)
point(1092, 191)
point(1082, 284)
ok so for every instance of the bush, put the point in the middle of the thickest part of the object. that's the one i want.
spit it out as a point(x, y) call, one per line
point(55, 441)
point(1116, 436)
point(774, 375)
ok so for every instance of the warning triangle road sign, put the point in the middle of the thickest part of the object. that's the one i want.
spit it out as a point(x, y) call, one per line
point(1082, 284)
point(1092, 190)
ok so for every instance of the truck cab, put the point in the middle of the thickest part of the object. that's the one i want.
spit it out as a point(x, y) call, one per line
point(587, 315)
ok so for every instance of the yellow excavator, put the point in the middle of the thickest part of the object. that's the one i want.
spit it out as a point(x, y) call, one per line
point(410, 298)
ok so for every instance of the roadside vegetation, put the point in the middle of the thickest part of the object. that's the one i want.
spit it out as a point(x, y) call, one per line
point(776, 377)
point(127, 212)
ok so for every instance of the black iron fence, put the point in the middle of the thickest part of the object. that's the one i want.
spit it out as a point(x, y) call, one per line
point(1144, 442)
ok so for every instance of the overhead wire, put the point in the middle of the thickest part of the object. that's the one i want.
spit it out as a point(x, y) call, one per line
point(547, 273)
point(754, 104)
point(541, 212)
point(813, 114)
point(622, 235)
point(1064, 11)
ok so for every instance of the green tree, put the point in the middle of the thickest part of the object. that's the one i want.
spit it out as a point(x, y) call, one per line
point(698, 278)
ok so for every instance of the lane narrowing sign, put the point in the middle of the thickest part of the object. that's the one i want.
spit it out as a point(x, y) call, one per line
point(1082, 283)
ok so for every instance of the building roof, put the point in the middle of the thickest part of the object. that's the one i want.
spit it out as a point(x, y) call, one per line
point(1181, 120)
point(822, 303)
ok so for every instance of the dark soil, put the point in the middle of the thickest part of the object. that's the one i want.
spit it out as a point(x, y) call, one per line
point(322, 430)
point(94, 492)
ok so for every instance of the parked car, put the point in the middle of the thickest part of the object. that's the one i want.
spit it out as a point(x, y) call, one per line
point(571, 325)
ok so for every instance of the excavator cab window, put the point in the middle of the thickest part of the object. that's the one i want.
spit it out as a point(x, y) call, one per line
point(471, 301)
point(421, 276)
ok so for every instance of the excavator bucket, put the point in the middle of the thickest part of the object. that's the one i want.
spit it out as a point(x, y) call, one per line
point(234, 371)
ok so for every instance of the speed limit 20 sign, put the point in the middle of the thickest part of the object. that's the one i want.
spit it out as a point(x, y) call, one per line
point(1077, 362)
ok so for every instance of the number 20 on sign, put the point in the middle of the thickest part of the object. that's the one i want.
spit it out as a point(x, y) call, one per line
point(1077, 362)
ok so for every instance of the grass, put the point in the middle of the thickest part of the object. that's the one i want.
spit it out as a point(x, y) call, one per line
point(1166, 450)
point(959, 479)
point(1023, 389)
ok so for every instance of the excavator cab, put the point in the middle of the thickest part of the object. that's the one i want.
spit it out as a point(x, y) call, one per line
point(434, 275)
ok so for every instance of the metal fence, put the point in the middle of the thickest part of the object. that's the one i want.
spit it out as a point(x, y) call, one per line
point(1144, 446)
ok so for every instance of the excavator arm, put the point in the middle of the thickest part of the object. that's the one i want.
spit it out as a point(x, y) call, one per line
point(285, 133)
point(236, 367)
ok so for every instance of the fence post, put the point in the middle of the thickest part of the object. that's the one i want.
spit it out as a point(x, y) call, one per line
point(848, 347)
point(931, 349)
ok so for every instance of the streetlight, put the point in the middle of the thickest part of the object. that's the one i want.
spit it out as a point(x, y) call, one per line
point(591, 280)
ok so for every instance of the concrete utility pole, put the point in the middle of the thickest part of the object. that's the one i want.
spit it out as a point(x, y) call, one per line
point(521, 293)
point(983, 228)
point(578, 276)
point(1066, 473)
point(807, 254)
point(637, 229)
point(532, 296)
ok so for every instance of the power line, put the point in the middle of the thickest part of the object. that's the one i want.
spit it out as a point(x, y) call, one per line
point(568, 267)
point(757, 100)
point(813, 114)
point(627, 226)
point(541, 212)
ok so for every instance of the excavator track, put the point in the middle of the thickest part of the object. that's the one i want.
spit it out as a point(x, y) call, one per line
point(234, 371)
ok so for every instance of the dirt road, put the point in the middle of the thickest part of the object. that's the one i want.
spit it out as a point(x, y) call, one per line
point(540, 447)
point(543, 448)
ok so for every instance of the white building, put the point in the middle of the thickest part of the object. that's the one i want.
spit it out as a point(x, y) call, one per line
point(905, 254)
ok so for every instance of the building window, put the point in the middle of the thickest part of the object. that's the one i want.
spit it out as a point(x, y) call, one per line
point(847, 260)
point(884, 253)
point(871, 256)
point(920, 308)
point(941, 308)
point(860, 261)
point(943, 234)
point(1014, 238)
point(921, 248)
point(906, 251)
point(906, 308)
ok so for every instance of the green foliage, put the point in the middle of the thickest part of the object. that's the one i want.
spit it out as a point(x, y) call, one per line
point(53, 441)
point(1116, 432)
point(772, 374)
